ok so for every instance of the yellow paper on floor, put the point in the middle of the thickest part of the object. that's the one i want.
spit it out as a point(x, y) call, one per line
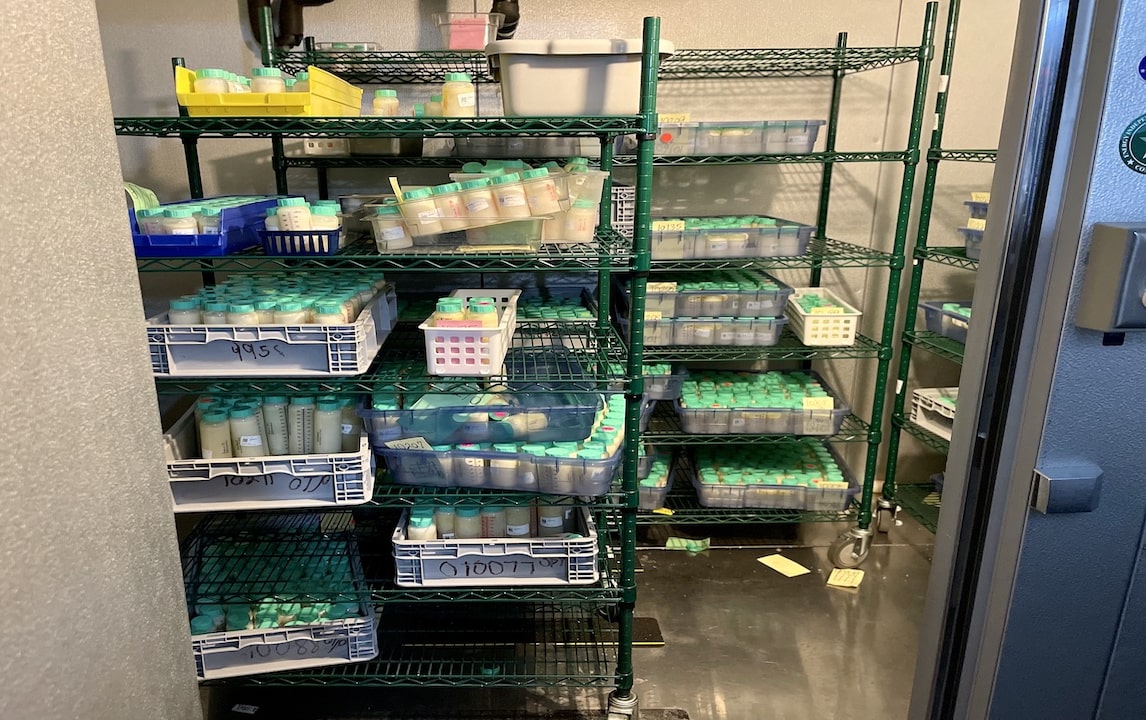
point(845, 578)
point(784, 566)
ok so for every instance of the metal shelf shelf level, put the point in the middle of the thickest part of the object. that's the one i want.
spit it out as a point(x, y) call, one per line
point(779, 159)
point(935, 344)
point(742, 63)
point(978, 156)
point(608, 251)
point(955, 256)
point(401, 365)
point(789, 348)
point(371, 126)
point(476, 645)
point(928, 438)
point(822, 252)
point(418, 67)
point(665, 429)
point(921, 502)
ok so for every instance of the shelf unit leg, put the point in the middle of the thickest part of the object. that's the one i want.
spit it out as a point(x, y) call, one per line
point(829, 148)
point(895, 266)
point(278, 161)
point(604, 278)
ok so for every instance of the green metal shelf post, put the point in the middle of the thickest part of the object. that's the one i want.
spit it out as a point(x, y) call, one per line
point(952, 256)
point(604, 279)
point(829, 150)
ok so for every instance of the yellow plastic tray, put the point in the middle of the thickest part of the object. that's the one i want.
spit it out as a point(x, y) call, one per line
point(329, 96)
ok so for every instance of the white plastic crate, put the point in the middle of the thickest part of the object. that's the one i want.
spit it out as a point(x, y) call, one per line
point(271, 350)
point(472, 352)
point(262, 483)
point(930, 411)
point(248, 652)
point(827, 329)
point(624, 209)
point(500, 562)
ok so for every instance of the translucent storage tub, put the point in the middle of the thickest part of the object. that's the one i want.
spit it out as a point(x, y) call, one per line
point(773, 496)
point(498, 562)
point(729, 294)
point(467, 31)
point(240, 227)
point(730, 138)
point(272, 350)
point(655, 487)
point(468, 351)
point(301, 242)
point(262, 483)
point(766, 420)
point(664, 386)
point(485, 418)
point(521, 234)
point(944, 318)
point(834, 323)
point(386, 146)
point(504, 471)
point(648, 454)
point(517, 147)
point(978, 210)
point(232, 558)
point(746, 332)
point(569, 77)
point(973, 240)
point(791, 137)
point(934, 409)
point(771, 238)
point(329, 96)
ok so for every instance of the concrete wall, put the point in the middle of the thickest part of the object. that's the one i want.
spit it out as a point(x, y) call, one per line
point(94, 620)
point(875, 105)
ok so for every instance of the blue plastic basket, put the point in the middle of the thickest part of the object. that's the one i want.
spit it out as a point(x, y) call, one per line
point(239, 225)
point(301, 242)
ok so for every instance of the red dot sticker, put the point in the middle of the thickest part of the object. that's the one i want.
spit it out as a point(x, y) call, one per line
point(666, 137)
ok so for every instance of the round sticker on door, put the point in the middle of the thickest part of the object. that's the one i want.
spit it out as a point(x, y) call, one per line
point(1132, 145)
point(1142, 68)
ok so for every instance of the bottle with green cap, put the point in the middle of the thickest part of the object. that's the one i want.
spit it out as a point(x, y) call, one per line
point(421, 527)
point(180, 220)
point(242, 314)
point(385, 103)
point(150, 221)
point(459, 96)
point(328, 425)
point(214, 434)
point(294, 214)
point(290, 312)
point(184, 311)
point(389, 229)
point(467, 522)
point(211, 80)
point(215, 312)
point(274, 409)
point(434, 107)
point(267, 80)
point(509, 196)
point(246, 434)
point(451, 208)
point(580, 221)
point(300, 425)
point(540, 192)
point(477, 197)
point(421, 212)
point(325, 218)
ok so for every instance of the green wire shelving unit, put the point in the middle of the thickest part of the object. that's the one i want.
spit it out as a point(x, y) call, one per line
point(911, 497)
point(835, 64)
point(468, 637)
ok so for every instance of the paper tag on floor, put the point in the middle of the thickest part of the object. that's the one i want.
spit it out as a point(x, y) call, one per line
point(784, 566)
point(845, 578)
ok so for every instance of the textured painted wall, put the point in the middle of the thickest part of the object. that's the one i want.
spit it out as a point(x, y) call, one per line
point(95, 623)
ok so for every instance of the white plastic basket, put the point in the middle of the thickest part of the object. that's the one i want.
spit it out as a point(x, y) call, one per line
point(472, 352)
point(271, 350)
point(263, 483)
point(249, 652)
point(929, 412)
point(830, 329)
point(500, 562)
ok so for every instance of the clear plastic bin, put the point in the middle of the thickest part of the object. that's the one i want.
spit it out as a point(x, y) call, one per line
point(498, 562)
point(933, 409)
point(780, 238)
point(791, 137)
point(730, 138)
point(652, 491)
point(781, 497)
point(677, 300)
point(765, 421)
point(973, 240)
point(504, 471)
point(665, 387)
point(239, 229)
point(516, 147)
point(467, 31)
point(262, 483)
point(745, 332)
point(946, 322)
point(449, 419)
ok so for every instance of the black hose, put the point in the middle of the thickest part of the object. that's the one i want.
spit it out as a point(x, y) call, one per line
point(512, 13)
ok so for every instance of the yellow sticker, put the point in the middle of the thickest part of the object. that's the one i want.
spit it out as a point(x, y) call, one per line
point(673, 117)
point(667, 225)
point(976, 223)
point(983, 197)
point(784, 566)
point(652, 315)
point(660, 287)
point(819, 403)
point(663, 511)
point(845, 578)
point(828, 310)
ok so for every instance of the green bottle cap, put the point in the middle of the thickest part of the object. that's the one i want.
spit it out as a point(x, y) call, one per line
point(325, 210)
point(179, 212)
point(457, 77)
point(468, 511)
point(506, 179)
point(446, 188)
point(302, 400)
point(210, 73)
point(475, 183)
point(292, 202)
point(536, 173)
point(385, 93)
point(239, 412)
point(266, 72)
point(418, 194)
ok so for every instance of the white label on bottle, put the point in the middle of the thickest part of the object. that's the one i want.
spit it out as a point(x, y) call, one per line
point(251, 440)
point(511, 200)
point(185, 231)
point(517, 530)
point(467, 99)
point(347, 428)
point(752, 305)
point(447, 536)
point(797, 139)
point(475, 206)
point(726, 336)
point(393, 233)
point(551, 522)
point(428, 214)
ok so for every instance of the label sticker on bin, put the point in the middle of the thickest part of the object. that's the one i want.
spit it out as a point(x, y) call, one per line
point(660, 287)
point(831, 310)
point(667, 225)
point(414, 443)
point(484, 567)
point(819, 403)
point(976, 224)
point(673, 117)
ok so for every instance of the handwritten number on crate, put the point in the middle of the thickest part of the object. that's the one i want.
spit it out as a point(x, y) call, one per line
point(254, 352)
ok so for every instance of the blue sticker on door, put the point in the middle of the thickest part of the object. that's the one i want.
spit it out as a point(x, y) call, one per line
point(1142, 68)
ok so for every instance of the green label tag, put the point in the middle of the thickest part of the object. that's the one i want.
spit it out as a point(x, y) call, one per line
point(1132, 145)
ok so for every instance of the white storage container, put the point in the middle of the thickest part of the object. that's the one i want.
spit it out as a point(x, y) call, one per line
point(500, 562)
point(472, 352)
point(262, 483)
point(569, 77)
point(836, 329)
point(933, 409)
point(272, 350)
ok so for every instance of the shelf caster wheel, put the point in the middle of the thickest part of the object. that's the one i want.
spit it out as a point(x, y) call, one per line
point(850, 549)
point(623, 707)
point(886, 512)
